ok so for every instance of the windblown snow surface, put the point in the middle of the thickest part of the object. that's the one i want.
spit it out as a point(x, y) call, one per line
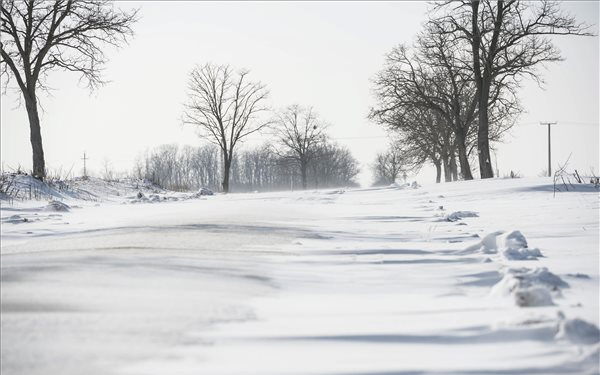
point(477, 277)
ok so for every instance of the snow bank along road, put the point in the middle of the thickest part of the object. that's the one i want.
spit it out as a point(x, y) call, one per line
point(479, 277)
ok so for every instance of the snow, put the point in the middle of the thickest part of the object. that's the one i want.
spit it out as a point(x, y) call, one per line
point(458, 215)
point(530, 287)
point(332, 282)
point(512, 246)
point(578, 331)
point(531, 297)
point(57, 206)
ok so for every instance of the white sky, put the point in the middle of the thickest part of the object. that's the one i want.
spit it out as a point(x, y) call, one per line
point(311, 53)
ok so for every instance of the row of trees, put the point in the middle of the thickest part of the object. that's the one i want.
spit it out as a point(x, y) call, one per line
point(263, 168)
point(227, 107)
point(39, 36)
point(453, 93)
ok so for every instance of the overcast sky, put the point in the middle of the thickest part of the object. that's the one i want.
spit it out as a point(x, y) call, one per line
point(311, 53)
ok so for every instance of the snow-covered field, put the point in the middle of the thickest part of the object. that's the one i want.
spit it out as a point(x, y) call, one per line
point(477, 277)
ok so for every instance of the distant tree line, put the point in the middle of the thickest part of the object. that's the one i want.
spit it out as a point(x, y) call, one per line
point(253, 169)
point(453, 93)
point(227, 107)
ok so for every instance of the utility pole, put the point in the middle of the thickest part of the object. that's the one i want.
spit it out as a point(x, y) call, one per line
point(84, 158)
point(549, 147)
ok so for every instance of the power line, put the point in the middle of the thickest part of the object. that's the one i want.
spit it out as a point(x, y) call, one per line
point(578, 123)
point(371, 137)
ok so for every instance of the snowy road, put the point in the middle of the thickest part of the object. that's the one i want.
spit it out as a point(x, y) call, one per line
point(365, 282)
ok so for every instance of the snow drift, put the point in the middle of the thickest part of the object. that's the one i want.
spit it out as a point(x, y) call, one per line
point(511, 245)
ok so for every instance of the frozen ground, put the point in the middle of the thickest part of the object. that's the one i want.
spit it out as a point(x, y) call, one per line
point(479, 277)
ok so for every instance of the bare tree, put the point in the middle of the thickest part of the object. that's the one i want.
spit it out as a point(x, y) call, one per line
point(449, 90)
point(226, 107)
point(388, 165)
point(299, 132)
point(332, 165)
point(428, 93)
point(509, 40)
point(138, 168)
point(39, 36)
point(422, 135)
point(426, 101)
point(108, 173)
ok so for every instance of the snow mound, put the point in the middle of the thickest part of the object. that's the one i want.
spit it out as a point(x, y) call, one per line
point(543, 277)
point(15, 219)
point(514, 240)
point(533, 297)
point(515, 278)
point(578, 331)
point(512, 245)
point(487, 245)
point(508, 285)
point(530, 287)
point(579, 275)
point(139, 197)
point(167, 196)
point(522, 254)
point(458, 215)
point(205, 191)
point(57, 206)
point(412, 185)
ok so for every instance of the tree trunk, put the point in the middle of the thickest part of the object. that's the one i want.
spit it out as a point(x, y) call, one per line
point(438, 172)
point(226, 171)
point(453, 166)
point(303, 168)
point(463, 159)
point(483, 141)
point(39, 164)
point(483, 82)
point(446, 164)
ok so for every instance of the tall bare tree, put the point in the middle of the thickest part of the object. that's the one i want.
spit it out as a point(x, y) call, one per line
point(509, 40)
point(299, 131)
point(226, 106)
point(39, 36)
